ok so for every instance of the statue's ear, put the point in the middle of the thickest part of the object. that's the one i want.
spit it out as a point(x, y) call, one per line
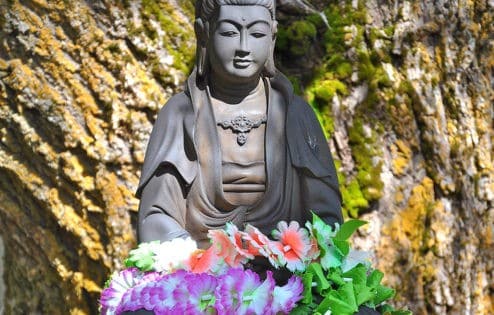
point(202, 34)
point(269, 66)
point(274, 29)
point(202, 31)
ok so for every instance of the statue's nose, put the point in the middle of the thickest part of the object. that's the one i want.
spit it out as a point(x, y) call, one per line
point(244, 43)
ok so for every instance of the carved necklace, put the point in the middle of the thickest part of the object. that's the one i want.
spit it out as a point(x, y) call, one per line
point(241, 125)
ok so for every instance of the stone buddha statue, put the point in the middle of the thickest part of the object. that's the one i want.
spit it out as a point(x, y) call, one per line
point(237, 145)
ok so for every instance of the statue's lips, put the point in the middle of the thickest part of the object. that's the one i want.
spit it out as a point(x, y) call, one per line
point(241, 63)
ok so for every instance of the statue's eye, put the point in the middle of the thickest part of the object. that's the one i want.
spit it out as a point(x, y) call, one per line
point(258, 34)
point(228, 33)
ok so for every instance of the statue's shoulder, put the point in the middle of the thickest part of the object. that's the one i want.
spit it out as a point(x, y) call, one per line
point(297, 107)
point(302, 111)
point(178, 104)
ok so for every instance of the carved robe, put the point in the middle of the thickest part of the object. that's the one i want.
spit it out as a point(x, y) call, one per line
point(181, 181)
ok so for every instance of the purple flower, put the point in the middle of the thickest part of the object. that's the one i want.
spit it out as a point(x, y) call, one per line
point(286, 297)
point(261, 298)
point(201, 288)
point(227, 296)
point(165, 291)
point(155, 295)
point(254, 297)
point(120, 283)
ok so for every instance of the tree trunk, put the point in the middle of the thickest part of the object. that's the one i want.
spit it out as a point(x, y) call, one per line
point(404, 90)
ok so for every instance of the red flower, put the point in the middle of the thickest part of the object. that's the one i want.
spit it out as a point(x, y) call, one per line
point(295, 244)
point(201, 260)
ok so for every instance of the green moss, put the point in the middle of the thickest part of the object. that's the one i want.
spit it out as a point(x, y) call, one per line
point(324, 90)
point(344, 70)
point(364, 149)
point(301, 35)
point(319, 95)
point(353, 199)
point(389, 30)
point(347, 30)
point(177, 32)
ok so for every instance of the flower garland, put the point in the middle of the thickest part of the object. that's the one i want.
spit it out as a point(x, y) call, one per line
point(328, 277)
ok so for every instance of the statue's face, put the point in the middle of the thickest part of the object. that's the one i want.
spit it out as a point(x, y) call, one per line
point(240, 42)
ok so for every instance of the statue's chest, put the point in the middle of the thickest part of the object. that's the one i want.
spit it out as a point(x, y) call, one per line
point(241, 130)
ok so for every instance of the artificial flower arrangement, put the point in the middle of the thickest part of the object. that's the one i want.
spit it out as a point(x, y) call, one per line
point(328, 277)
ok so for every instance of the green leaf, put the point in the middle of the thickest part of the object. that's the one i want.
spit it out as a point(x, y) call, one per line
point(386, 308)
point(374, 278)
point(401, 312)
point(145, 264)
point(332, 258)
point(143, 256)
point(319, 277)
point(358, 275)
point(342, 246)
point(301, 310)
point(334, 275)
point(347, 293)
point(383, 293)
point(363, 294)
point(320, 230)
point(307, 282)
point(324, 305)
point(347, 229)
point(343, 300)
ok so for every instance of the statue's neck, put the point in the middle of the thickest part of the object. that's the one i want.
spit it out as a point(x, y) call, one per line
point(232, 93)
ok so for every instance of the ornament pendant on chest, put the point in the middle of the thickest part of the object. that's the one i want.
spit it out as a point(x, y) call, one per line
point(241, 125)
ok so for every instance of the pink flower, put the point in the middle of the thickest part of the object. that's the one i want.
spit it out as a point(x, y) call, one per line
point(257, 242)
point(224, 248)
point(295, 244)
point(237, 239)
point(275, 254)
point(313, 252)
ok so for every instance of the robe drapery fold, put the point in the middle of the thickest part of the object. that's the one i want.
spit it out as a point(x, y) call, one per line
point(181, 181)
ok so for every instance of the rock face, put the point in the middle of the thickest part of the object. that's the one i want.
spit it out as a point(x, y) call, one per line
point(404, 90)
point(2, 284)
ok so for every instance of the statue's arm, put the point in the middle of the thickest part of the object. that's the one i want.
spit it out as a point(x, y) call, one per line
point(311, 154)
point(162, 207)
point(322, 196)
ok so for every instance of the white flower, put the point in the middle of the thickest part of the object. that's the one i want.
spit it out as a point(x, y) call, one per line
point(169, 255)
